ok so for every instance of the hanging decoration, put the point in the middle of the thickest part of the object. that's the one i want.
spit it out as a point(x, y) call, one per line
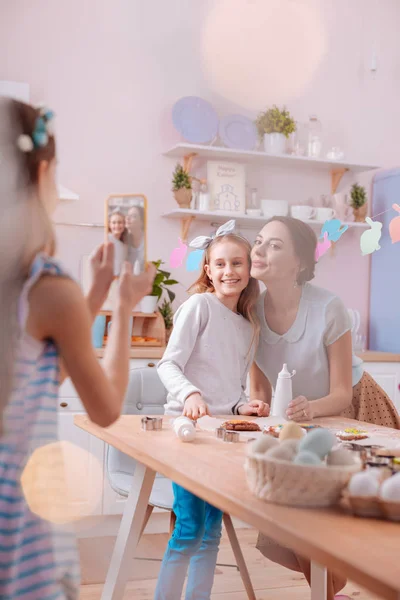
point(194, 259)
point(369, 240)
point(334, 229)
point(178, 255)
point(394, 226)
point(322, 247)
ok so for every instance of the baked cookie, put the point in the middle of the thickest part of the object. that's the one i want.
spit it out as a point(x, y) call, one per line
point(350, 434)
point(273, 430)
point(239, 425)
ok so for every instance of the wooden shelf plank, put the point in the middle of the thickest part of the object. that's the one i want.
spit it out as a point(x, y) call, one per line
point(138, 352)
point(244, 220)
point(139, 315)
point(255, 156)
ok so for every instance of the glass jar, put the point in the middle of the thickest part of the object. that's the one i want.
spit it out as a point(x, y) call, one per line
point(314, 137)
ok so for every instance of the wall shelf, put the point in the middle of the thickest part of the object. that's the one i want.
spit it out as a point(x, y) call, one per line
point(187, 152)
point(187, 215)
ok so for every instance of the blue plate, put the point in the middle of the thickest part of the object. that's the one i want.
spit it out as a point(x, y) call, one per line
point(237, 131)
point(195, 119)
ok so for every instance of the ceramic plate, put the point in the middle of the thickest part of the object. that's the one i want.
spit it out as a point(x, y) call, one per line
point(237, 131)
point(195, 119)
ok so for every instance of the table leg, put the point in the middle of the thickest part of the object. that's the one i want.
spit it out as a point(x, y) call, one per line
point(128, 533)
point(318, 582)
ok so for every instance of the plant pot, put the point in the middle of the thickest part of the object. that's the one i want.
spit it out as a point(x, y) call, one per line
point(183, 197)
point(274, 143)
point(360, 213)
point(148, 304)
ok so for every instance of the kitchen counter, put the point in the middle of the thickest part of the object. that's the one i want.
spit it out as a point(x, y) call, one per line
point(373, 356)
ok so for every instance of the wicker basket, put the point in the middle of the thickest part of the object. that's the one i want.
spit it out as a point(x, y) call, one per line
point(294, 484)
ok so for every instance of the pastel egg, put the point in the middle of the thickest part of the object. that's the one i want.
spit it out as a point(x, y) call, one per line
point(342, 456)
point(263, 444)
point(319, 441)
point(285, 450)
point(364, 484)
point(306, 457)
point(291, 431)
point(390, 489)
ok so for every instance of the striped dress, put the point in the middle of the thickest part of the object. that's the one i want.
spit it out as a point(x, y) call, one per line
point(38, 560)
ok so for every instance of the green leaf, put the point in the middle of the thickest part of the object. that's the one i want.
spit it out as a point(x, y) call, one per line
point(157, 291)
point(159, 278)
point(170, 282)
point(171, 295)
point(165, 273)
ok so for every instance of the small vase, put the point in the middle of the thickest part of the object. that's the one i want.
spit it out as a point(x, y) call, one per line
point(274, 143)
point(360, 213)
point(148, 304)
point(183, 197)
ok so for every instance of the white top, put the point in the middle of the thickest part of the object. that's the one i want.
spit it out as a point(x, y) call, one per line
point(208, 352)
point(322, 319)
point(120, 253)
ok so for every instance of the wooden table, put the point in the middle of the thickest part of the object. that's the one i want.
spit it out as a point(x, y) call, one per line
point(365, 550)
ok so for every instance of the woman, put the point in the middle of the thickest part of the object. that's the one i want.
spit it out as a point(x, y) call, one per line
point(135, 226)
point(308, 328)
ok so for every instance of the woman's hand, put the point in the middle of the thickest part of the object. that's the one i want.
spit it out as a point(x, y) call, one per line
point(195, 407)
point(254, 407)
point(132, 288)
point(300, 409)
point(102, 268)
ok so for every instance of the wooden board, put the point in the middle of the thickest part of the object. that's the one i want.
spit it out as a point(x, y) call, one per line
point(214, 472)
point(138, 352)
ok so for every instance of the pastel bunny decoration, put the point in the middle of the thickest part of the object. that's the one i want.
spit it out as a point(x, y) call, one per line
point(178, 255)
point(394, 226)
point(194, 259)
point(369, 240)
point(334, 229)
point(322, 247)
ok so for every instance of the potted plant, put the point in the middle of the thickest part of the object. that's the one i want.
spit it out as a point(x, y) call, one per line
point(358, 201)
point(167, 314)
point(274, 127)
point(182, 187)
point(161, 284)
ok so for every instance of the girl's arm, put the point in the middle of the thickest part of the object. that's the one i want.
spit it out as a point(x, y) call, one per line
point(187, 324)
point(260, 387)
point(59, 311)
point(340, 385)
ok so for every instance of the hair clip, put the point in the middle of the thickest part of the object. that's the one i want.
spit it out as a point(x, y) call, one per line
point(40, 135)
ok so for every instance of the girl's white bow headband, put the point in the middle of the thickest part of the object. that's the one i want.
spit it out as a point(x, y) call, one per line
point(202, 242)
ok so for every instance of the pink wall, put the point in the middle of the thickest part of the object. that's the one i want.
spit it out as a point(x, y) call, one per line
point(112, 69)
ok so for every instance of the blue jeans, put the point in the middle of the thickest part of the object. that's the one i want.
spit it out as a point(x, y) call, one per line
point(194, 544)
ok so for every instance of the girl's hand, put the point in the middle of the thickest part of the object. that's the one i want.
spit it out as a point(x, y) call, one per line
point(300, 409)
point(132, 288)
point(195, 407)
point(254, 407)
point(102, 268)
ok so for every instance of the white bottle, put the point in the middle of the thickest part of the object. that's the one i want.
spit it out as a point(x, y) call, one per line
point(184, 429)
point(314, 137)
point(204, 198)
point(283, 393)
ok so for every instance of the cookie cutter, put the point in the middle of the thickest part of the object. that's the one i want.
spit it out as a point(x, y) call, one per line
point(219, 432)
point(231, 436)
point(152, 423)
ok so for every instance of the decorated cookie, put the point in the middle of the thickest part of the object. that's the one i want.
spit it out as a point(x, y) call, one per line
point(351, 433)
point(240, 425)
point(273, 430)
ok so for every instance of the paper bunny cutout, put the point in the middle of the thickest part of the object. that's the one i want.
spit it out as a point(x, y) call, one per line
point(178, 255)
point(193, 260)
point(334, 229)
point(322, 247)
point(394, 226)
point(369, 240)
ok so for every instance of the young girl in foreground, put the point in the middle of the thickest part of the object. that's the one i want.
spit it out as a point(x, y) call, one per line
point(204, 369)
point(45, 318)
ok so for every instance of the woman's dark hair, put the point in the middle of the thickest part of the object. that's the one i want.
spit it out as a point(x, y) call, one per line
point(304, 243)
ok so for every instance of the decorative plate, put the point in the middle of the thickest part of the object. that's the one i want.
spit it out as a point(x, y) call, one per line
point(237, 131)
point(195, 119)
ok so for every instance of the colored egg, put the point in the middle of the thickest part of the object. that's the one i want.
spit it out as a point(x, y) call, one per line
point(364, 484)
point(342, 456)
point(263, 444)
point(390, 489)
point(291, 431)
point(306, 457)
point(318, 441)
point(285, 450)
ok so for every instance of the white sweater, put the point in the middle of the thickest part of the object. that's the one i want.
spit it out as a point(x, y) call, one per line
point(208, 352)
